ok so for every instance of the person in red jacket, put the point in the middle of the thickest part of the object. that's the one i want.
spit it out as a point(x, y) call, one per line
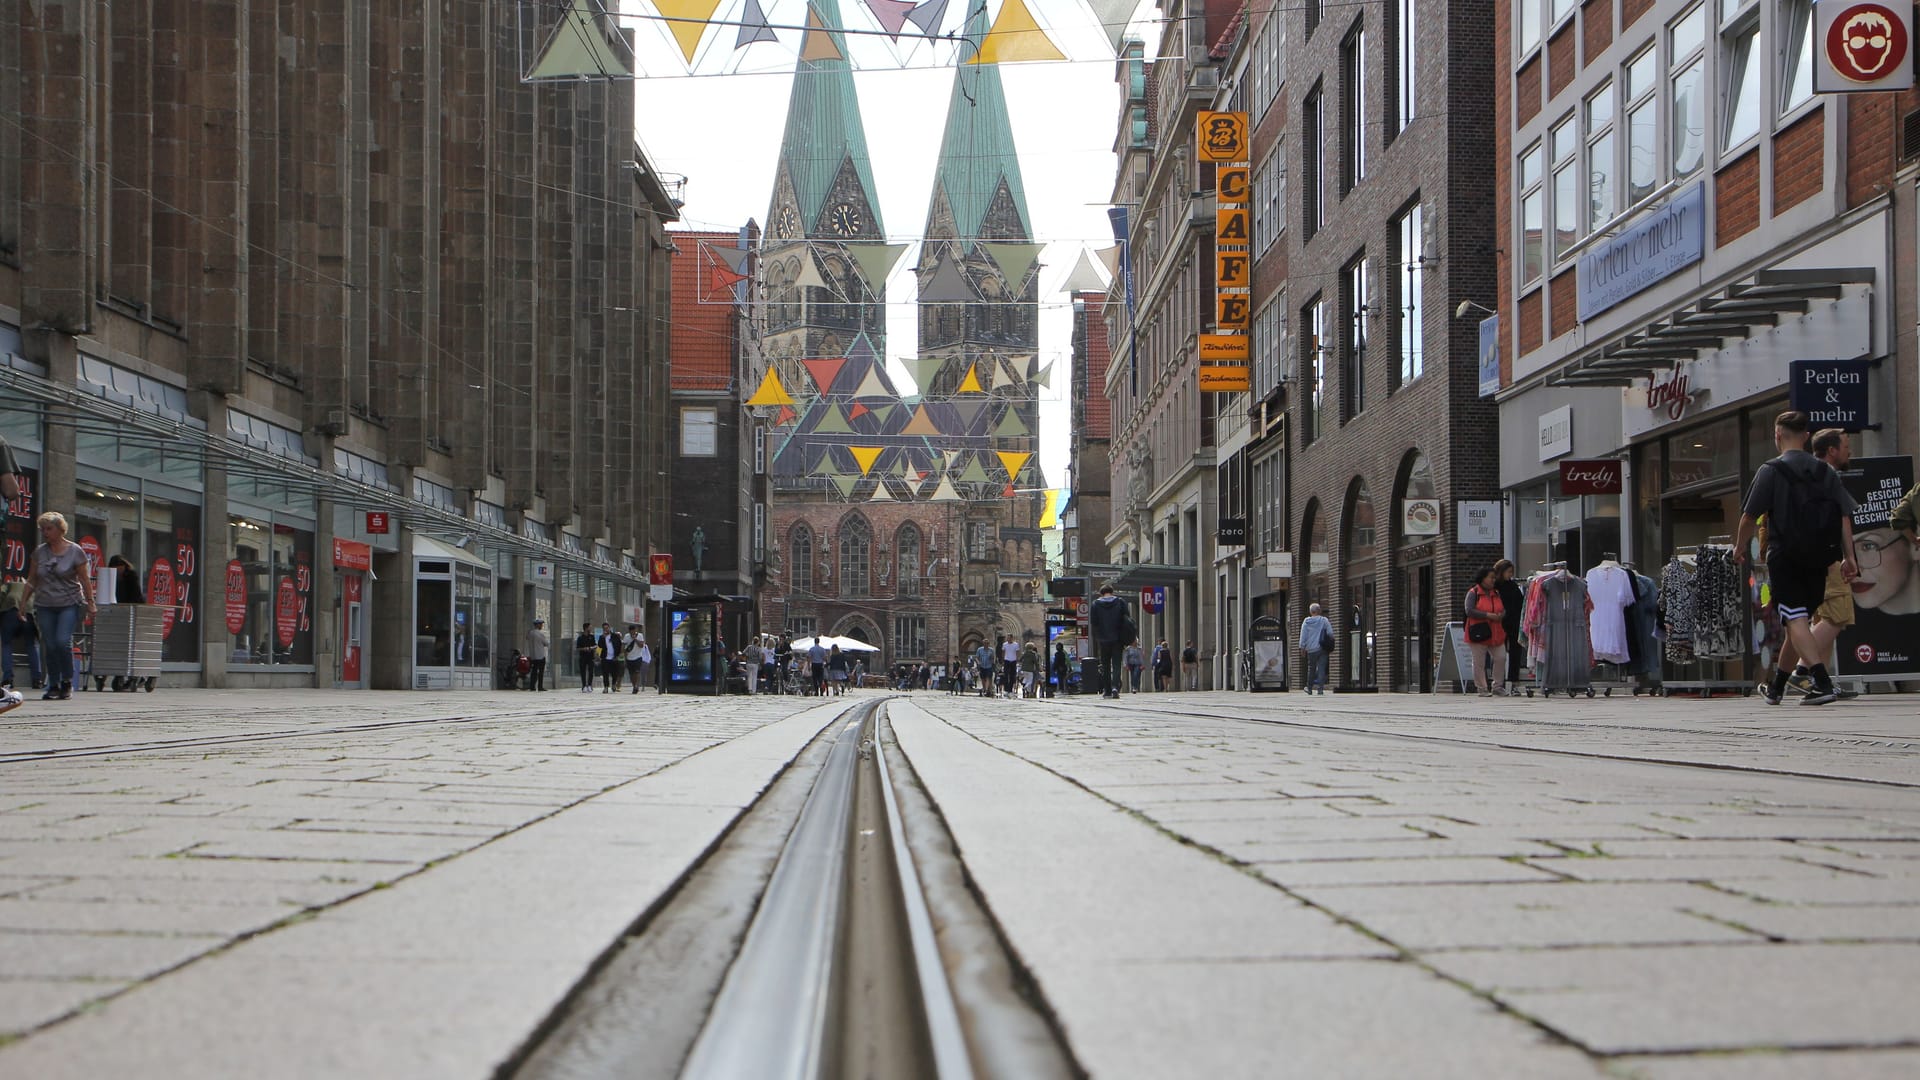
point(1487, 634)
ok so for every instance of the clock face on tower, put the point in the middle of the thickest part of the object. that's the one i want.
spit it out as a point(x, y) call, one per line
point(844, 219)
point(788, 223)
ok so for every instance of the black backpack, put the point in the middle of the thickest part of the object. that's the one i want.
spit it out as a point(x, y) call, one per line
point(1806, 517)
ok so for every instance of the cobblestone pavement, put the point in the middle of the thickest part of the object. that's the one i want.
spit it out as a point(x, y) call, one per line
point(211, 884)
point(1391, 885)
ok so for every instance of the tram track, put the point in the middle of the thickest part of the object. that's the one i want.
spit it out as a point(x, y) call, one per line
point(832, 949)
point(1543, 726)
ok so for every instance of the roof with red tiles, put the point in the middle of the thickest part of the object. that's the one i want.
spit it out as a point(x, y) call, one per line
point(1099, 411)
point(702, 312)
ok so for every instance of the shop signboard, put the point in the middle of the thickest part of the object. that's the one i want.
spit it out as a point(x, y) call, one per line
point(1480, 521)
point(1153, 599)
point(352, 555)
point(659, 569)
point(1658, 246)
point(185, 575)
point(1221, 136)
point(1600, 477)
point(1232, 532)
point(1862, 45)
point(1269, 638)
point(1884, 640)
point(1833, 393)
point(20, 529)
point(286, 612)
point(1420, 517)
point(1556, 433)
point(378, 523)
point(1489, 355)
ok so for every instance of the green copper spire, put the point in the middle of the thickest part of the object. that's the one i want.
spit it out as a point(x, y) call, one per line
point(824, 131)
point(977, 152)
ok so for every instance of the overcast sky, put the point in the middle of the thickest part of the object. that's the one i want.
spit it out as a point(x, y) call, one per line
point(721, 129)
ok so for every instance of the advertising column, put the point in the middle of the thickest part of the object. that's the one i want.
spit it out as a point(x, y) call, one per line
point(1884, 640)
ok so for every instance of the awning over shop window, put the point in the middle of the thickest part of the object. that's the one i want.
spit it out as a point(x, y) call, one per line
point(1707, 324)
point(425, 547)
point(1141, 575)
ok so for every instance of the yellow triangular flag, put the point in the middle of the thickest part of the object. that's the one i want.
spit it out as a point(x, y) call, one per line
point(771, 392)
point(1015, 36)
point(1014, 461)
point(865, 456)
point(970, 384)
point(687, 21)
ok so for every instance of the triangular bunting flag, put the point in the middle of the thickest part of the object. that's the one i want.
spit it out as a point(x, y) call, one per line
point(824, 369)
point(924, 370)
point(580, 46)
point(771, 392)
point(810, 273)
point(871, 386)
point(876, 263)
point(891, 15)
point(1007, 492)
point(1014, 260)
point(857, 411)
point(1043, 377)
point(885, 413)
point(953, 458)
point(943, 492)
point(735, 258)
point(832, 422)
point(1113, 16)
point(927, 16)
point(947, 285)
point(1083, 278)
point(1014, 460)
point(921, 424)
point(881, 494)
point(1110, 258)
point(1015, 36)
point(970, 384)
point(818, 44)
point(846, 485)
point(975, 473)
point(754, 26)
point(969, 413)
point(825, 466)
point(1011, 426)
point(786, 416)
point(687, 21)
point(720, 279)
point(865, 456)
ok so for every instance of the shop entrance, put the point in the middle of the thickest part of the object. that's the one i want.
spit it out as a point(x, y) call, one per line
point(1416, 585)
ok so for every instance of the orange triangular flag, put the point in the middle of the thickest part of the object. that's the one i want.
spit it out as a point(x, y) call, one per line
point(819, 43)
point(787, 416)
point(721, 278)
point(921, 424)
point(824, 371)
point(857, 411)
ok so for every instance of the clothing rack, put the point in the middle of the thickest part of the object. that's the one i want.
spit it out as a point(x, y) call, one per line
point(1700, 684)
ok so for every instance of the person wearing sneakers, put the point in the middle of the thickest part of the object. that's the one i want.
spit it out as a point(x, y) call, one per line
point(1316, 641)
point(1835, 612)
point(1487, 634)
point(1809, 527)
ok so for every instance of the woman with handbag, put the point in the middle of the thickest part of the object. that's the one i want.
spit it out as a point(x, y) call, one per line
point(1487, 634)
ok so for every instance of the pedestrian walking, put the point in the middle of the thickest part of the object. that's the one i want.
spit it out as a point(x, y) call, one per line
point(633, 646)
point(1030, 669)
point(1110, 624)
point(984, 666)
point(1835, 613)
point(1009, 665)
point(817, 666)
point(60, 581)
point(837, 670)
point(1515, 602)
point(751, 658)
point(1487, 634)
point(1316, 642)
point(583, 648)
point(538, 646)
point(1136, 665)
point(610, 653)
point(1162, 666)
point(1809, 528)
point(1062, 669)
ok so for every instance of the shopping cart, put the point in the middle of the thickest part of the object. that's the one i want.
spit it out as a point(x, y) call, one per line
point(122, 647)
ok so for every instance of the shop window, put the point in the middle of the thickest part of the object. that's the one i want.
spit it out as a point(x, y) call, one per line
point(1796, 76)
point(1418, 485)
point(1704, 454)
point(472, 617)
point(269, 591)
point(159, 536)
point(1687, 101)
point(1317, 564)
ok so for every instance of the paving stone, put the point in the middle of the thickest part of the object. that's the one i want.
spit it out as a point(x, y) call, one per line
point(113, 956)
point(1777, 1065)
point(1398, 871)
point(28, 1003)
point(1528, 915)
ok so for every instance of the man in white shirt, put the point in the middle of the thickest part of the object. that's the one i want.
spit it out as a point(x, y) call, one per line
point(1009, 665)
point(538, 644)
point(753, 656)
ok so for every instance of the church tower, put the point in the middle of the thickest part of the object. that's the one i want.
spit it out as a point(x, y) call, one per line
point(978, 314)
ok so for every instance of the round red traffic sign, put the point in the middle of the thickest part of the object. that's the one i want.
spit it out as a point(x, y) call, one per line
point(1867, 42)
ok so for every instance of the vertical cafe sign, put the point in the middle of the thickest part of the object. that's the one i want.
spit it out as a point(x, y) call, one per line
point(1221, 139)
point(1884, 640)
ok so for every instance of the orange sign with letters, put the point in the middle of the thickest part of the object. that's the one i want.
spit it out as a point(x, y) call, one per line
point(1226, 379)
point(1215, 348)
point(1233, 186)
point(1232, 311)
point(1232, 225)
point(1222, 136)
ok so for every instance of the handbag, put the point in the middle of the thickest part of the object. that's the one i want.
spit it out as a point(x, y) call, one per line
point(1479, 632)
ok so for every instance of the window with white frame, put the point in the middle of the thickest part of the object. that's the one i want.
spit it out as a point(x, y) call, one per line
point(1560, 10)
point(1529, 23)
point(1533, 216)
point(1412, 328)
point(1687, 99)
point(1407, 55)
point(1313, 325)
point(1269, 198)
point(759, 531)
point(1601, 167)
point(1354, 109)
point(1268, 63)
point(699, 433)
point(1358, 295)
point(1640, 84)
point(1564, 146)
point(1796, 75)
point(1741, 62)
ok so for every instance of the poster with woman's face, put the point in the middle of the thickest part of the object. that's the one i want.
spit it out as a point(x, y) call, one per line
point(1884, 639)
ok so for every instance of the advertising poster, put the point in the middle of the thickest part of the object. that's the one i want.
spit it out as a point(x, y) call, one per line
point(1269, 653)
point(179, 629)
point(691, 641)
point(1884, 639)
point(22, 536)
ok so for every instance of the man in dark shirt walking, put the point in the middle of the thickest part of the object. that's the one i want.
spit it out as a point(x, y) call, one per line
point(1110, 625)
point(1809, 527)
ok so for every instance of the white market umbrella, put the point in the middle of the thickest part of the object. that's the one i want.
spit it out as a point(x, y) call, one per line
point(846, 644)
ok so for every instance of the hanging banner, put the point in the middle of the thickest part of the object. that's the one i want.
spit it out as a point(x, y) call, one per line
point(1884, 640)
point(1232, 225)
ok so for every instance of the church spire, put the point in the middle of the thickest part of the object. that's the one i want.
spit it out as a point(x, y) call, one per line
point(977, 157)
point(823, 154)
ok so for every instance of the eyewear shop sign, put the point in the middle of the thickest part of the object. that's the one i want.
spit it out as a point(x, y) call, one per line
point(1667, 241)
point(1862, 46)
point(1833, 393)
point(1884, 639)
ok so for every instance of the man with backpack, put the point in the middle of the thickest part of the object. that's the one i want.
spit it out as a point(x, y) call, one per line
point(1111, 626)
point(1809, 528)
point(1835, 612)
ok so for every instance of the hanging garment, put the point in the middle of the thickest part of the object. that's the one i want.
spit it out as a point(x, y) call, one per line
point(1532, 619)
point(1677, 595)
point(1568, 661)
point(1643, 627)
point(1719, 609)
point(1611, 589)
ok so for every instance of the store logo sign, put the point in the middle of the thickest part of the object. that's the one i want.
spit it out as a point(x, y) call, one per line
point(1661, 244)
point(1556, 433)
point(1833, 393)
point(1590, 477)
point(1864, 46)
point(1673, 395)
